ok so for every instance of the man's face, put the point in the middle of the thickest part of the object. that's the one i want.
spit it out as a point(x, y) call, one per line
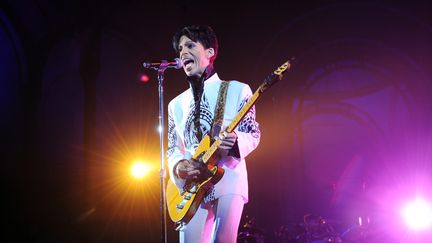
point(194, 56)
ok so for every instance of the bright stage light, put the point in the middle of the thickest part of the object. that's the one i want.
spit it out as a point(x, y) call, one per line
point(140, 169)
point(418, 215)
point(144, 78)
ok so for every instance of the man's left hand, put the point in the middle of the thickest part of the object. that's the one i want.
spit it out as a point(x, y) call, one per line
point(229, 141)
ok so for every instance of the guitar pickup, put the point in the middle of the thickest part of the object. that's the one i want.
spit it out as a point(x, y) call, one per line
point(179, 206)
point(193, 189)
point(187, 197)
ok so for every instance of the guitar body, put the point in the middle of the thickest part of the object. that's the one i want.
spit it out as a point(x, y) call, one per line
point(182, 206)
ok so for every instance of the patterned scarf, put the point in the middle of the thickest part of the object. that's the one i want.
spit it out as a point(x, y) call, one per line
point(197, 85)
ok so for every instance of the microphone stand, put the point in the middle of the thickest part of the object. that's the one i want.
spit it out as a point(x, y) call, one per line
point(162, 173)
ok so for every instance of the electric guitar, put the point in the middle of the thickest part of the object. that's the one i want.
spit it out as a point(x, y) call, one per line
point(182, 206)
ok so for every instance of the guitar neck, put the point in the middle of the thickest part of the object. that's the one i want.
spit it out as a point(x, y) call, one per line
point(244, 111)
point(207, 155)
point(275, 76)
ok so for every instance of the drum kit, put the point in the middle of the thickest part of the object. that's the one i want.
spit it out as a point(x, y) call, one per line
point(313, 229)
point(249, 233)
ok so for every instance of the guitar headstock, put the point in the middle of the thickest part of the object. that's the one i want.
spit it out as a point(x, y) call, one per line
point(276, 75)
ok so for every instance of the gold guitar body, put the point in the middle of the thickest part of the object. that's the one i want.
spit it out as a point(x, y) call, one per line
point(182, 206)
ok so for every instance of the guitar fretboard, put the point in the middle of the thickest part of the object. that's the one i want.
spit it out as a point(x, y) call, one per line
point(276, 75)
point(243, 111)
point(207, 155)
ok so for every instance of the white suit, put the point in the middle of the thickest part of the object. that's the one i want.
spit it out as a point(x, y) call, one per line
point(182, 140)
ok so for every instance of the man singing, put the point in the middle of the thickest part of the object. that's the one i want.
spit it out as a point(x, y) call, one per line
point(190, 117)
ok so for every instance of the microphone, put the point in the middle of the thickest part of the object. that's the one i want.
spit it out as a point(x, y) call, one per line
point(177, 64)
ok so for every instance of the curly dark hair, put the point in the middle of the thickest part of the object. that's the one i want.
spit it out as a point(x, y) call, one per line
point(198, 33)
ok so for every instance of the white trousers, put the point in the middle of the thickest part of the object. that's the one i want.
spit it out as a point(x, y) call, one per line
point(217, 221)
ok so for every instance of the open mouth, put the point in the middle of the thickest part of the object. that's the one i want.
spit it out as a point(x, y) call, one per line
point(187, 62)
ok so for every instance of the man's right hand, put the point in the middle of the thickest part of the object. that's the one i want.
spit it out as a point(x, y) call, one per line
point(187, 169)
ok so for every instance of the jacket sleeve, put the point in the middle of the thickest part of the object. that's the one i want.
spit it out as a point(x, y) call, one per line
point(248, 132)
point(176, 148)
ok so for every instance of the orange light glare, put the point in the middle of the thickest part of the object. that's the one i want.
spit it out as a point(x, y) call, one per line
point(140, 169)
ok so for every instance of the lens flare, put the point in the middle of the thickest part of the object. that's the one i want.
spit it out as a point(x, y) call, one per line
point(418, 215)
point(140, 169)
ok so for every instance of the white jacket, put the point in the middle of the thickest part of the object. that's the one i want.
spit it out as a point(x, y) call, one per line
point(182, 141)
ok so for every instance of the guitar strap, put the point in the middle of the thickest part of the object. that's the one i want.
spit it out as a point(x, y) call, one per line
point(219, 109)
